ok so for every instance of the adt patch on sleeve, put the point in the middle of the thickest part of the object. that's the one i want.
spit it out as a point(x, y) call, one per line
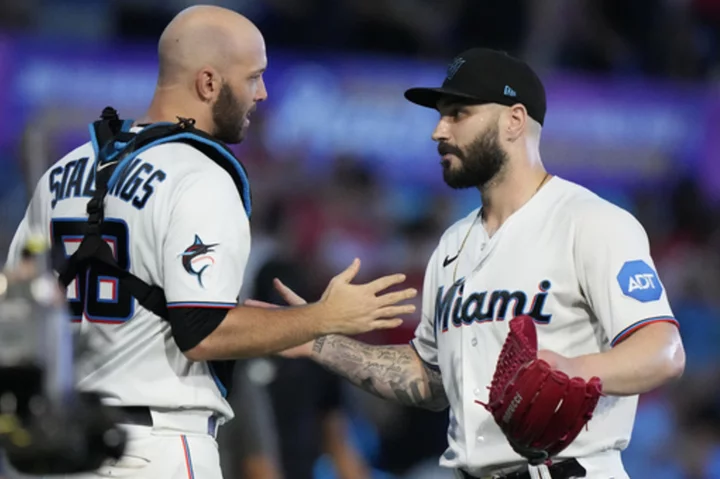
point(639, 281)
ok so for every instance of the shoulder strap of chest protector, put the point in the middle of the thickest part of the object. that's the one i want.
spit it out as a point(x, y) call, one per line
point(115, 148)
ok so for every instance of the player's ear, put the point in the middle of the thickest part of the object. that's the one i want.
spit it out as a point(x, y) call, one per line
point(515, 122)
point(207, 84)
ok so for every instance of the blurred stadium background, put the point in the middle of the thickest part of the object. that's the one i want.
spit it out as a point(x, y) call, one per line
point(341, 165)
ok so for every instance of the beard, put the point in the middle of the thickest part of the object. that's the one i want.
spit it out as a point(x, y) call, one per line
point(229, 115)
point(481, 161)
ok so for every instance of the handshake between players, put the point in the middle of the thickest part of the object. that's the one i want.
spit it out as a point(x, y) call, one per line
point(358, 308)
point(344, 308)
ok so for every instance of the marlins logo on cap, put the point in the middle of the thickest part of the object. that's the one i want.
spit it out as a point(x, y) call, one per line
point(488, 76)
point(454, 67)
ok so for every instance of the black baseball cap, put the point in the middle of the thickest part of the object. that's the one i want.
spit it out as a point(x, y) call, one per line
point(482, 75)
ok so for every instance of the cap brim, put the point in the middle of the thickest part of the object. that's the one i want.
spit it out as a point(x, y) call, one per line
point(429, 97)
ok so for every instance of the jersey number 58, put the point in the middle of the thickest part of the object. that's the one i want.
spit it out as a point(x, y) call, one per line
point(96, 293)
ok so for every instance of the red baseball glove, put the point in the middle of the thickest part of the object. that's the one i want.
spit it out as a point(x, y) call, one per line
point(540, 410)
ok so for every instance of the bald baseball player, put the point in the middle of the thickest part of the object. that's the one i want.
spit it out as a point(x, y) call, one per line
point(177, 220)
point(540, 246)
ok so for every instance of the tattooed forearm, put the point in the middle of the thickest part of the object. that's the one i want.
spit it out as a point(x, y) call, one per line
point(390, 372)
point(319, 343)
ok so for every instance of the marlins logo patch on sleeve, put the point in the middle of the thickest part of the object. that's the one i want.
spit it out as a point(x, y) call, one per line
point(639, 281)
point(196, 258)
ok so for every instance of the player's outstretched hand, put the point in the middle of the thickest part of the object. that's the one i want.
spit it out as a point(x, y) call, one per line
point(359, 308)
point(349, 308)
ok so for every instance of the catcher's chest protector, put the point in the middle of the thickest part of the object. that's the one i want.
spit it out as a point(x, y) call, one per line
point(115, 148)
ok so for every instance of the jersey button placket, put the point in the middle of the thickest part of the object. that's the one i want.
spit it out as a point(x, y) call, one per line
point(468, 382)
point(477, 396)
point(479, 438)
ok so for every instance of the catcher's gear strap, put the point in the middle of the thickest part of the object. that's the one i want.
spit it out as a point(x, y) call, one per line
point(115, 147)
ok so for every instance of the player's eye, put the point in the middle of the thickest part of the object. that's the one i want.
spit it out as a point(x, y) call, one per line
point(449, 112)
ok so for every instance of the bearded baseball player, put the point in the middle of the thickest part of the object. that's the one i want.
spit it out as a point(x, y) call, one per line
point(152, 218)
point(543, 317)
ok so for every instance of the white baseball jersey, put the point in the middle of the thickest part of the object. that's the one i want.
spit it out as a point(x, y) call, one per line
point(177, 221)
point(581, 267)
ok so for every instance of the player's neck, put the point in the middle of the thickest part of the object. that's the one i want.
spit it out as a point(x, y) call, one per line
point(166, 107)
point(508, 193)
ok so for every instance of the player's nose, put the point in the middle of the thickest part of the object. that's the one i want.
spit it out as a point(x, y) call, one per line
point(441, 131)
point(262, 93)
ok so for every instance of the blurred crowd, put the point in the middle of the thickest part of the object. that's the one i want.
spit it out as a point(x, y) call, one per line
point(668, 38)
point(296, 421)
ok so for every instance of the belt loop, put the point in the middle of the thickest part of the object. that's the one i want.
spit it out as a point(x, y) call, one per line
point(212, 426)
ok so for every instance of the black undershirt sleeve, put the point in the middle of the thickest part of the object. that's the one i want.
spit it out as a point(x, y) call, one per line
point(191, 325)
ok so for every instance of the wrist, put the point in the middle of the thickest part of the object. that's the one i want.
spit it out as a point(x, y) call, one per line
point(322, 320)
point(316, 349)
point(586, 366)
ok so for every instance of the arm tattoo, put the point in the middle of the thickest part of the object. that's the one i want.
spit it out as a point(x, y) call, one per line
point(390, 372)
point(318, 344)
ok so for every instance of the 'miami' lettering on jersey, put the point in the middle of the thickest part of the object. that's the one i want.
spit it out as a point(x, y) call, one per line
point(479, 307)
point(76, 179)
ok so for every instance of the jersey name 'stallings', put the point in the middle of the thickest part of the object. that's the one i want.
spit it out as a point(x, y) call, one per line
point(174, 218)
point(76, 179)
point(575, 263)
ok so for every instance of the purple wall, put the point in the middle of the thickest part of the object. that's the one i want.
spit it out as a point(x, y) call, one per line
point(604, 131)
